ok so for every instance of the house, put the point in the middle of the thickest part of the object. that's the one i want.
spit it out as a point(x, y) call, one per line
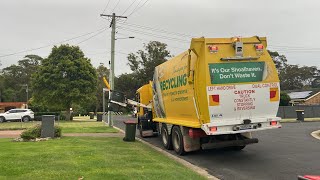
point(5, 106)
point(306, 97)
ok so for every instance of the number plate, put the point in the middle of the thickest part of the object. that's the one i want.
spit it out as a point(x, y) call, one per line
point(245, 126)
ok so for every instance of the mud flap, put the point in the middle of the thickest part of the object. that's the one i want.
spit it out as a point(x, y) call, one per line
point(190, 144)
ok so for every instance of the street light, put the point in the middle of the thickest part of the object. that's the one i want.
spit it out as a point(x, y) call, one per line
point(130, 37)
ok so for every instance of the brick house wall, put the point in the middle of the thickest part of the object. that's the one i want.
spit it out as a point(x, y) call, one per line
point(313, 100)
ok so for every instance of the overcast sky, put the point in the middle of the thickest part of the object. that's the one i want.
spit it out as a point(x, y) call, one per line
point(292, 27)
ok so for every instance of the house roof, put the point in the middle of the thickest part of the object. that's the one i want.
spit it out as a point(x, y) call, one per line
point(303, 94)
point(12, 103)
point(300, 95)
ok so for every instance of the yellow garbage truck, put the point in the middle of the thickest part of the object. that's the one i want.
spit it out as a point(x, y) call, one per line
point(213, 95)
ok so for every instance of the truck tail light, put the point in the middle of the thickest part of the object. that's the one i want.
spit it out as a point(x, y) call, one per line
point(196, 133)
point(214, 100)
point(259, 47)
point(213, 48)
point(273, 123)
point(213, 128)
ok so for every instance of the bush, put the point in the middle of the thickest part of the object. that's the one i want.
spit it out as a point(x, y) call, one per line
point(58, 115)
point(35, 132)
point(57, 131)
point(284, 99)
point(31, 133)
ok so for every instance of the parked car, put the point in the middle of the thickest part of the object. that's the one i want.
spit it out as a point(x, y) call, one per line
point(17, 115)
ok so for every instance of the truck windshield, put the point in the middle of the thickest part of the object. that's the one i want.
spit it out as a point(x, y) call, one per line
point(236, 72)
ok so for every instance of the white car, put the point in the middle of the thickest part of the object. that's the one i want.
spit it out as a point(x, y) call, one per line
point(24, 115)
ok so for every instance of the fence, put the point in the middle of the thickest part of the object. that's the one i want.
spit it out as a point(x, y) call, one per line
point(290, 111)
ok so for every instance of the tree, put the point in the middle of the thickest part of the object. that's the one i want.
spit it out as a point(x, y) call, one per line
point(284, 99)
point(64, 79)
point(16, 77)
point(294, 76)
point(279, 60)
point(142, 63)
point(316, 82)
point(290, 78)
point(128, 84)
point(1, 87)
point(102, 71)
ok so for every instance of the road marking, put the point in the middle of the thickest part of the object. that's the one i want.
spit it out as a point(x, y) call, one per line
point(316, 134)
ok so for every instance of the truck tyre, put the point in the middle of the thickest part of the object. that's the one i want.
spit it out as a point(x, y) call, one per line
point(2, 119)
point(166, 137)
point(139, 124)
point(177, 140)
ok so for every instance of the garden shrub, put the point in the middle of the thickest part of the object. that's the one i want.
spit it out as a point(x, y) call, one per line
point(35, 132)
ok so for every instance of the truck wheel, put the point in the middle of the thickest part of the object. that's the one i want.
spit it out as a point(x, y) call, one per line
point(2, 119)
point(177, 140)
point(139, 124)
point(166, 137)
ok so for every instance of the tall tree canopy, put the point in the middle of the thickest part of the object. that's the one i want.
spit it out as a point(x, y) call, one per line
point(294, 76)
point(142, 63)
point(16, 77)
point(64, 79)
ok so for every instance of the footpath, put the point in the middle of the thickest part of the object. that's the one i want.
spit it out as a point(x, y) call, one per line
point(16, 133)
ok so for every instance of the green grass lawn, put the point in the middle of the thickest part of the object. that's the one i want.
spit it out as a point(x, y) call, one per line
point(305, 119)
point(79, 125)
point(90, 157)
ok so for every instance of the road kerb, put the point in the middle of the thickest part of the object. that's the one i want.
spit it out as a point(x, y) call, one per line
point(316, 134)
point(195, 168)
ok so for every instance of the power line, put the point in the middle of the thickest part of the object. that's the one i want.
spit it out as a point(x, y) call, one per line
point(286, 46)
point(154, 35)
point(41, 47)
point(105, 7)
point(138, 8)
point(128, 7)
point(108, 52)
point(148, 40)
point(115, 6)
point(91, 36)
point(156, 29)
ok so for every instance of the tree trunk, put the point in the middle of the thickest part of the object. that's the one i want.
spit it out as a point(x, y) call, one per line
point(68, 115)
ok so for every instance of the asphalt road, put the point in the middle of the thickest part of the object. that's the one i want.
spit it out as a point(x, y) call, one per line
point(280, 154)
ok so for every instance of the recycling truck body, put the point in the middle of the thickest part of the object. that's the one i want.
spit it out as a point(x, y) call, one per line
point(213, 95)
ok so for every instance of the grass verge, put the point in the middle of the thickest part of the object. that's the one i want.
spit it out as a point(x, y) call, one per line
point(90, 157)
point(76, 126)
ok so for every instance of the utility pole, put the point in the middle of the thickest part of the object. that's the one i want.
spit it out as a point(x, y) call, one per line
point(27, 91)
point(111, 75)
